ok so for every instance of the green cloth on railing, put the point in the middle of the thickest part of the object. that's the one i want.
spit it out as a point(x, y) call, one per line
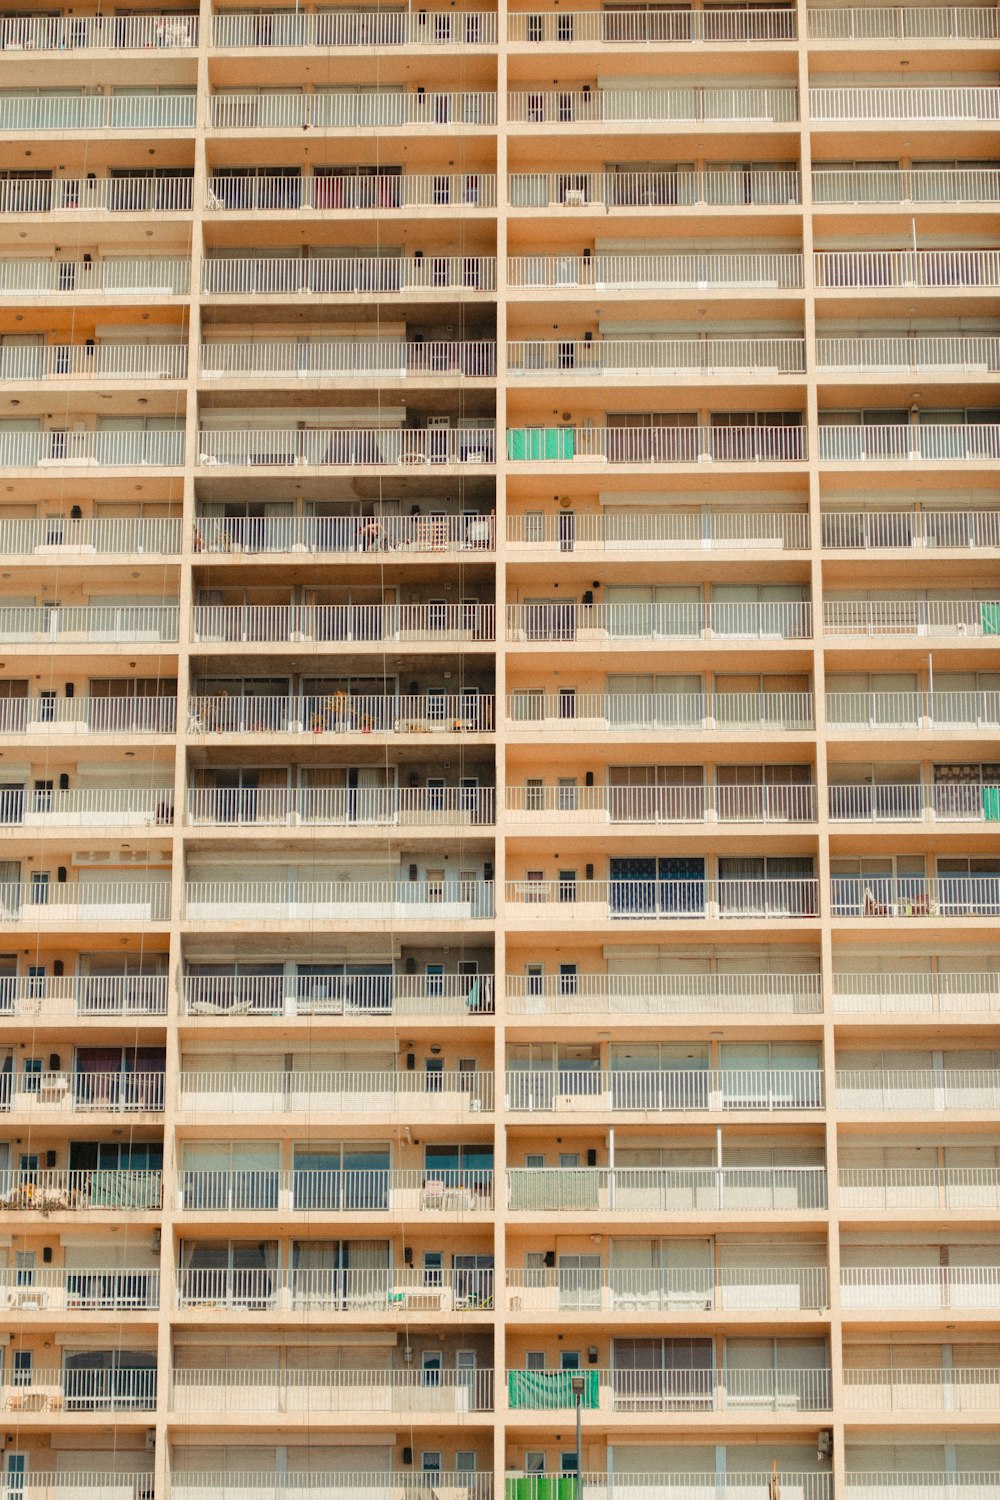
point(540, 442)
point(115, 1189)
point(989, 615)
point(991, 804)
point(547, 1390)
point(551, 1189)
point(542, 1487)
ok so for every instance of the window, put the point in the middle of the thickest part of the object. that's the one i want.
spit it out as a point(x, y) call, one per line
point(534, 795)
point(430, 1461)
point(534, 1359)
point(22, 1367)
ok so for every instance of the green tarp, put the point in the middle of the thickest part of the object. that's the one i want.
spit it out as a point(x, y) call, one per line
point(989, 615)
point(547, 1390)
point(991, 804)
point(542, 1487)
point(540, 442)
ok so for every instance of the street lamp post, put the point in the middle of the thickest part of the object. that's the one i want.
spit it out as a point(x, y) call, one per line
point(577, 1384)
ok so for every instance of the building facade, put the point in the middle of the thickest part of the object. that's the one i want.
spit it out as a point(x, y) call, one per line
point(498, 752)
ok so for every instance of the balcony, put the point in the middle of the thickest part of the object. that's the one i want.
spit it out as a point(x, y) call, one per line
point(339, 1484)
point(38, 905)
point(658, 1392)
point(448, 996)
point(46, 1290)
point(720, 357)
point(70, 1390)
point(961, 619)
point(345, 447)
point(900, 1390)
point(934, 530)
point(350, 535)
point(695, 621)
point(88, 807)
point(966, 23)
point(363, 28)
point(644, 27)
point(959, 354)
point(378, 110)
point(124, 276)
point(84, 195)
point(262, 192)
point(646, 712)
point(71, 33)
point(50, 1192)
point(692, 270)
point(881, 270)
point(26, 114)
point(656, 1191)
point(326, 1394)
point(335, 1289)
point(380, 1092)
point(677, 105)
point(937, 710)
point(919, 1288)
point(595, 806)
point(78, 1484)
point(647, 1091)
point(84, 995)
point(747, 1484)
point(342, 713)
point(937, 185)
point(931, 1190)
point(340, 807)
point(919, 104)
point(630, 446)
point(913, 802)
point(59, 537)
point(712, 1289)
point(93, 362)
point(682, 187)
point(343, 275)
point(439, 1192)
point(630, 995)
point(104, 450)
point(420, 624)
point(79, 624)
point(82, 1093)
point(949, 442)
point(84, 716)
point(880, 896)
point(579, 901)
point(918, 1090)
point(339, 901)
point(941, 993)
point(334, 358)
point(615, 530)
point(921, 1484)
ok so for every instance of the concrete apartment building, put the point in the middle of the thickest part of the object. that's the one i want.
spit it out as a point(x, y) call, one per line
point(499, 696)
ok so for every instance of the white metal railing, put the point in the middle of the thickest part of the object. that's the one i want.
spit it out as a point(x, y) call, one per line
point(906, 442)
point(679, 104)
point(334, 1289)
point(603, 1091)
point(117, 1093)
point(623, 530)
point(663, 804)
point(304, 806)
point(26, 113)
point(916, 710)
point(663, 994)
point(338, 1484)
point(887, 1287)
point(371, 1091)
point(81, 995)
point(339, 900)
point(71, 1390)
point(45, 1289)
point(679, 356)
point(112, 33)
point(695, 1289)
point(623, 900)
point(634, 27)
point(96, 361)
point(427, 623)
point(665, 1189)
point(954, 617)
point(933, 529)
point(77, 623)
point(76, 1484)
point(430, 532)
point(877, 1188)
point(915, 896)
point(331, 1391)
point(662, 445)
point(129, 276)
point(39, 716)
point(922, 992)
point(261, 191)
point(694, 269)
point(914, 801)
point(699, 620)
point(748, 1484)
point(662, 1391)
point(716, 186)
point(336, 994)
point(117, 900)
point(967, 1388)
point(905, 184)
point(46, 1192)
point(922, 1484)
point(367, 447)
point(93, 194)
point(378, 110)
point(875, 270)
point(342, 713)
point(918, 1088)
point(966, 23)
point(98, 534)
point(342, 274)
point(350, 1190)
point(27, 450)
point(361, 28)
point(919, 102)
point(88, 807)
point(856, 355)
point(646, 711)
point(349, 356)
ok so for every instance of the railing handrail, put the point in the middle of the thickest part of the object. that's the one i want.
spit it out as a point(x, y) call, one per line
point(291, 274)
point(338, 805)
point(338, 994)
point(368, 1089)
point(427, 532)
point(282, 28)
point(85, 994)
point(637, 899)
point(788, 619)
point(679, 102)
point(787, 529)
point(631, 711)
point(665, 803)
point(340, 713)
point(634, 26)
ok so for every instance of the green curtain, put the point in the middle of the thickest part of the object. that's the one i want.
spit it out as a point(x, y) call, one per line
point(542, 1487)
point(547, 1390)
point(541, 442)
point(989, 615)
point(991, 804)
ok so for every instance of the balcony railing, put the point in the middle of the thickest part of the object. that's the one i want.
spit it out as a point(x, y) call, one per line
point(878, 270)
point(374, 1091)
point(339, 900)
point(905, 184)
point(122, 624)
point(94, 361)
point(362, 28)
point(659, 1190)
point(450, 1190)
point(918, 1089)
point(263, 192)
point(84, 195)
point(343, 713)
point(388, 358)
point(337, 995)
point(127, 276)
point(969, 354)
point(339, 807)
point(936, 530)
point(662, 445)
point(714, 187)
point(978, 442)
point(338, 1484)
point(427, 624)
point(971, 710)
point(119, 534)
point(889, 994)
point(922, 1484)
point(624, 530)
point(634, 27)
point(919, 1188)
point(79, 1484)
point(694, 270)
point(932, 1288)
point(663, 804)
point(915, 896)
point(965, 1389)
point(106, 450)
point(27, 113)
point(329, 1392)
point(918, 103)
point(46, 1192)
point(43, 716)
point(44, 1289)
point(886, 802)
point(108, 33)
point(682, 356)
point(881, 23)
point(118, 900)
point(643, 900)
point(679, 105)
point(663, 1391)
point(603, 1092)
point(115, 1093)
point(788, 621)
point(335, 1289)
point(378, 110)
point(88, 807)
point(650, 711)
point(70, 1390)
point(961, 618)
point(687, 1290)
point(81, 995)
point(433, 532)
point(663, 994)
point(346, 447)
point(345, 274)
